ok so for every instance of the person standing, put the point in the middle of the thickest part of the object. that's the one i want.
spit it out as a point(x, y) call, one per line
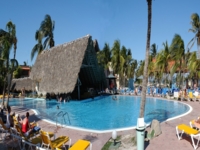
point(23, 92)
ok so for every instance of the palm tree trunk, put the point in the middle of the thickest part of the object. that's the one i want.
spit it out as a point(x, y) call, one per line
point(9, 85)
point(10, 81)
point(4, 89)
point(14, 53)
point(145, 73)
point(6, 104)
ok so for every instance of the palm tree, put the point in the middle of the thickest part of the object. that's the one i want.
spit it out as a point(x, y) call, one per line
point(145, 74)
point(126, 54)
point(38, 48)
point(162, 61)
point(153, 50)
point(195, 22)
point(107, 53)
point(132, 68)
point(7, 40)
point(104, 56)
point(25, 64)
point(117, 59)
point(47, 28)
point(131, 65)
point(6, 45)
point(140, 69)
point(45, 31)
point(193, 66)
point(12, 31)
point(178, 56)
point(187, 57)
point(152, 56)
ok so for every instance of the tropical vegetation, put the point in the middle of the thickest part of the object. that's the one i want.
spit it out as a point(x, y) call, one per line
point(160, 66)
point(173, 62)
point(45, 35)
point(119, 58)
point(8, 40)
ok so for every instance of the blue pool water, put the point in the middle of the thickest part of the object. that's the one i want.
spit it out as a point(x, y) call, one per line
point(104, 113)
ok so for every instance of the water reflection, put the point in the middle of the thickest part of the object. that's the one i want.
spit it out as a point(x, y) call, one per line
point(159, 114)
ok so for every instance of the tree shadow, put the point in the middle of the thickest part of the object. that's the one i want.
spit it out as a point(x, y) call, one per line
point(146, 144)
point(188, 138)
point(90, 138)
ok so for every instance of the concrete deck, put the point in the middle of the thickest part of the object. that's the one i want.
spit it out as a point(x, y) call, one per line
point(167, 140)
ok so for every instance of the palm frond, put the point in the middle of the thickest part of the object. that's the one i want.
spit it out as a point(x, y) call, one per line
point(38, 48)
point(46, 43)
point(191, 43)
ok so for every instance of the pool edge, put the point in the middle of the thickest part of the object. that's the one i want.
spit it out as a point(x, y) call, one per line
point(118, 129)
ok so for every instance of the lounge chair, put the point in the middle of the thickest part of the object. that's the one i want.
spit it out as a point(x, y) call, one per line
point(19, 130)
point(16, 137)
point(6, 96)
point(190, 96)
point(31, 145)
point(189, 131)
point(196, 96)
point(45, 141)
point(53, 144)
point(1, 96)
point(185, 96)
point(31, 140)
point(4, 129)
point(81, 145)
point(164, 92)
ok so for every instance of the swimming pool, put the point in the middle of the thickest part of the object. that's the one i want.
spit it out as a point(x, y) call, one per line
point(104, 113)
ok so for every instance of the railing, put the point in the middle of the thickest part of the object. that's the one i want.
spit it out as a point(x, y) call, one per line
point(62, 114)
point(66, 113)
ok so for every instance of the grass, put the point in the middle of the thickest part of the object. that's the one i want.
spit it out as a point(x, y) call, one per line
point(133, 139)
point(107, 145)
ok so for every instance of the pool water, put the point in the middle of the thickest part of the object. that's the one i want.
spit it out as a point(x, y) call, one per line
point(104, 113)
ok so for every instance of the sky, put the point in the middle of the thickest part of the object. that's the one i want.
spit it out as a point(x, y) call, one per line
point(104, 20)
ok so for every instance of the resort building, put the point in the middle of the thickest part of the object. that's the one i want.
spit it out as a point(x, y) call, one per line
point(70, 68)
point(25, 71)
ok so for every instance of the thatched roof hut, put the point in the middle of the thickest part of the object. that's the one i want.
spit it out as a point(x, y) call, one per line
point(60, 68)
point(18, 84)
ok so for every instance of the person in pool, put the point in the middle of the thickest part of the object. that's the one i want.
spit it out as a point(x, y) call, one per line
point(114, 97)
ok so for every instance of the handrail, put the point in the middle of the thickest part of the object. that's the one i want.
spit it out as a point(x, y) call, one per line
point(59, 113)
point(62, 114)
point(67, 116)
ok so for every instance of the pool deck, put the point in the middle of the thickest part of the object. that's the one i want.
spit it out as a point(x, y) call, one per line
point(167, 140)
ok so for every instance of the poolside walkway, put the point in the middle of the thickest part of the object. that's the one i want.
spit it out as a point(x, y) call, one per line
point(167, 140)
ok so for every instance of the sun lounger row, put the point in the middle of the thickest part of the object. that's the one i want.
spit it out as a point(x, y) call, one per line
point(190, 97)
point(41, 140)
point(6, 96)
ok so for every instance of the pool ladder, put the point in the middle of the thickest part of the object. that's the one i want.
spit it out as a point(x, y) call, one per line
point(62, 114)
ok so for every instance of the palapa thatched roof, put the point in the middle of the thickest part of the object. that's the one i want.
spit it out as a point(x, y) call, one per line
point(18, 84)
point(57, 69)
